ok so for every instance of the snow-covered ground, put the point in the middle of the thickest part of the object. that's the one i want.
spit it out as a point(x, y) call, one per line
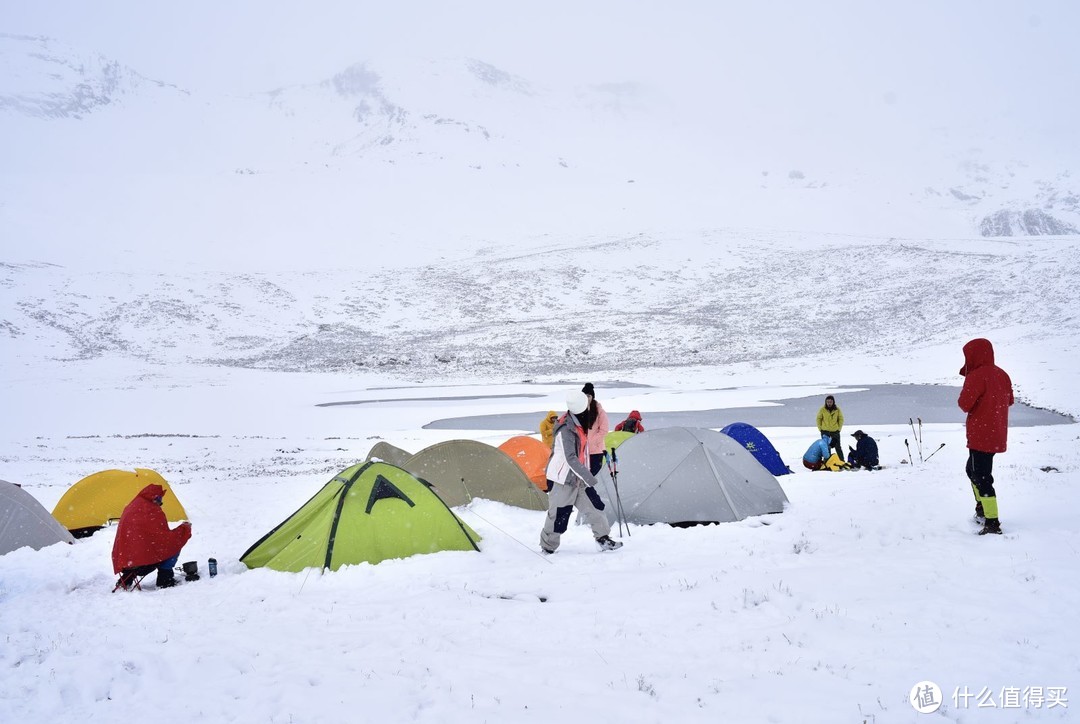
point(832, 611)
point(217, 222)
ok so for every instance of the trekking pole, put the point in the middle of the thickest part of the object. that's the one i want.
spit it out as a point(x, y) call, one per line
point(618, 496)
point(910, 459)
point(611, 472)
point(621, 514)
point(920, 430)
point(935, 452)
point(618, 512)
point(917, 445)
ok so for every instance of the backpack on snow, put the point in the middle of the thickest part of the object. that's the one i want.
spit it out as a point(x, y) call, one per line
point(629, 425)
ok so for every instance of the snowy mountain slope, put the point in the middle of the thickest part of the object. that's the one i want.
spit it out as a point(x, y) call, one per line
point(717, 298)
point(46, 79)
point(390, 119)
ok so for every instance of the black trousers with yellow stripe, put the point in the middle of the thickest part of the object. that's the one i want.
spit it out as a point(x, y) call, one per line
point(980, 468)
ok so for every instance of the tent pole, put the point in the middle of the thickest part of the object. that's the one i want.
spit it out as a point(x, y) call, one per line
point(719, 480)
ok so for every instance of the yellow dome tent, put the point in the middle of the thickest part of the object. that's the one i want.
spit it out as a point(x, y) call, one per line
point(91, 503)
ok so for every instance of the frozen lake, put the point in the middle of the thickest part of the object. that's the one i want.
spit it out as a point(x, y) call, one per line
point(862, 407)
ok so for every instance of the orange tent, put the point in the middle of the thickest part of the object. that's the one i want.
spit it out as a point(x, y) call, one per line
point(531, 456)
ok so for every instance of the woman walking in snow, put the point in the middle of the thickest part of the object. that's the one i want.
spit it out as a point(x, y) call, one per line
point(570, 484)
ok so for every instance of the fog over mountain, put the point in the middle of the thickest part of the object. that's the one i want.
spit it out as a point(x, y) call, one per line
point(262, 133)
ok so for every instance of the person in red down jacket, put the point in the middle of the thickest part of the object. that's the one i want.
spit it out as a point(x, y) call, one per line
point(632, 423)
point(144, 540)
point(986, 397)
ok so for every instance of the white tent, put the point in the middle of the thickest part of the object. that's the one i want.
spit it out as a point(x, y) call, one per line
point(689, 475)
point(24, 522)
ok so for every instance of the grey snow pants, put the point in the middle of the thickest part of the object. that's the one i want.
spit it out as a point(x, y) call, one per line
point(561, 502)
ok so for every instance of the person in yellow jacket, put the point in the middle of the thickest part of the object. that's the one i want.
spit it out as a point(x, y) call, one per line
point(830, 420)
point(547, 426)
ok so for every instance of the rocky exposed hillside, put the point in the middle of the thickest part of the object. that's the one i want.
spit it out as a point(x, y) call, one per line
point(615, 304)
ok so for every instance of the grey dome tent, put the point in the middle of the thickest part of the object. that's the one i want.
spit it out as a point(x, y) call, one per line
point(689, 475)
point(388, 453)
point(24, 522)
point(461, 470)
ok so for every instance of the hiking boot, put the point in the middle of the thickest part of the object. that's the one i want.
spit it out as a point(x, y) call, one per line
point(546, 551)
point(166, 579)
point(979, 516)
point(992, 525)
point(607, 544)
point(127, 581)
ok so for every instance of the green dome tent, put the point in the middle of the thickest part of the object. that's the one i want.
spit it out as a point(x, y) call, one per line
point(368, 513)
point(615, 438)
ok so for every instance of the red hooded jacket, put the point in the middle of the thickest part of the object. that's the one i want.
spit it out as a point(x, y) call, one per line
point(143, 537)
point(986, 398)
point(634, 415)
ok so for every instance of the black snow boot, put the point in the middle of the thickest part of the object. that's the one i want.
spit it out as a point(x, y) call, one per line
point(979, 516)
point(166, 578)
point(991, 526)
point(607, 544)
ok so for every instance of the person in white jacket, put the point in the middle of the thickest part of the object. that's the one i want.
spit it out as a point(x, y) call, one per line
point(570, 484)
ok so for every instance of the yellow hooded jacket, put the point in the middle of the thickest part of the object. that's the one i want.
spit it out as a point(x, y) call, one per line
point(547, 427)
point(830, 421)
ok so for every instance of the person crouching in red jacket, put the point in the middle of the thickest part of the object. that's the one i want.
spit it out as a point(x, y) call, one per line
point(632, 423)
point(986, 397)
point(144, 540)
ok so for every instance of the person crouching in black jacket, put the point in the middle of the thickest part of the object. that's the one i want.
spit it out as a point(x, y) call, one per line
point(865, 454)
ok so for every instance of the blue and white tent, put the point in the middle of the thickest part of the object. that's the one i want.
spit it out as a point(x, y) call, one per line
point(759, 446)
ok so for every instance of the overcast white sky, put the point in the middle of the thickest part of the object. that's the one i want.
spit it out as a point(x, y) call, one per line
point(844, 64)
point(877, 52)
